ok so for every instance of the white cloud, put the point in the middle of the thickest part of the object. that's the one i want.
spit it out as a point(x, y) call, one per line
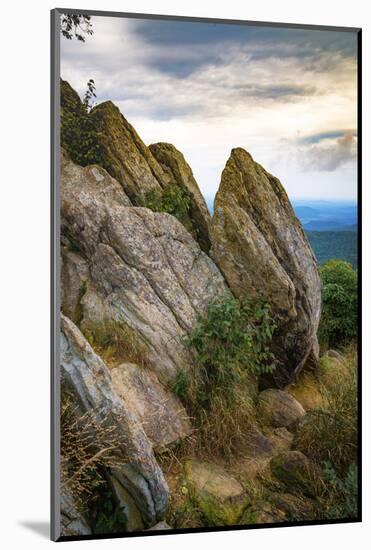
point(241, 95)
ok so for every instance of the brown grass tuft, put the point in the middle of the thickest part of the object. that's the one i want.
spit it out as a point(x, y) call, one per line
point(329, 434)
point(115, 342)
point(88, 444)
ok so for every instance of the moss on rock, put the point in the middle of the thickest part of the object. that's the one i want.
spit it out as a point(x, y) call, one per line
point(219, 496)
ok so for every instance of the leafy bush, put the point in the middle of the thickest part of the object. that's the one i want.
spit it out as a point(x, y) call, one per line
point(341, 494)
point(234, 336)
point(232, 347)
point(339, 315)
point(79, 131)
point(173, 199)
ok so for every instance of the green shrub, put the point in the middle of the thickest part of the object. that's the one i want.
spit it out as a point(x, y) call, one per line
point(173, 199)
point(79, 131)
point(341, 495)
point(234, 337)
point(339, 298)
point(231, 345)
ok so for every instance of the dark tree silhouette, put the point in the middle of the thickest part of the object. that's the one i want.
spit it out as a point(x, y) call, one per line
point(76, 26)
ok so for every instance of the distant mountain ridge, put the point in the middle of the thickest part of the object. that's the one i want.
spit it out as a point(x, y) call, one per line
point(328, 225)
point(326, 215)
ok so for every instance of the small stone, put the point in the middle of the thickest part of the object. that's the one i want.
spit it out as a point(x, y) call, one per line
point(262, 512)
point(295, 508)
point(160, 526)
point(220, 497)
point(279, 409)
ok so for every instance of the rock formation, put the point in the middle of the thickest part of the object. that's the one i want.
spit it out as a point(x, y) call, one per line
point(87, 380)
point(161, 414)
point(70, 99)
point(125, 155)
point(145, 269)
point(138, 281)
point(180, 173)
point(261, 249)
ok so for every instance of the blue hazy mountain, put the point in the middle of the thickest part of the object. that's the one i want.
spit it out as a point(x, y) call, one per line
point(325, 215)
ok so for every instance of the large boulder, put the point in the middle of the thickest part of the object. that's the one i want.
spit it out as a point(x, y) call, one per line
point(219, 496)
point(87, 381)
point(180, 173)
point(262, 250)
point(162, 415)
point(145, 269)
point(279, 409)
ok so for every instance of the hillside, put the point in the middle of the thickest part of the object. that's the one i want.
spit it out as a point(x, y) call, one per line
point(327, 245)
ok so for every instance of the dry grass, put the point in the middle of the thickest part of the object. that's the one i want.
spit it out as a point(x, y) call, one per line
point(330, 434)
point(88, 444)
point(221, 426)
point(115, 342)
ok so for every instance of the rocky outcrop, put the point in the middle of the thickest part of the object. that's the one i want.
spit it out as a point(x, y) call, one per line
point(145, 269)
point(87, 381)
point(70, 99)
point(125, 155)
point(279, 409)
point(220, 497)
point(160, 412)
point(180, 173)
point(74, 278)
point(260, 247)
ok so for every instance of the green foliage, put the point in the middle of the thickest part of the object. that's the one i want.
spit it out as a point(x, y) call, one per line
point(109, 518)
point(231, 346)
point(181, 384)
point(341, 493)
point(79, 130)
point(172, 199)
point(75, 26)
point(334, 244)
point(339, 297)
point(233, 337)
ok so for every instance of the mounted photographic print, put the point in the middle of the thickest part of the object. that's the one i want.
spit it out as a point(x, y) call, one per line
point(205, 302)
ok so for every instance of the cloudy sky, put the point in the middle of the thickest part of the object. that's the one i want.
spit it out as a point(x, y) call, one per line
point(287, 96)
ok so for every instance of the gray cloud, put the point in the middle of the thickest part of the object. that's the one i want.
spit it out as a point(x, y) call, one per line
point(328, 156)
point(262, 42)
point(208, 88)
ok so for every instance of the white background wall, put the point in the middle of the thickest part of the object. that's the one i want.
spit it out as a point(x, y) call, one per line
point(24, 273)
